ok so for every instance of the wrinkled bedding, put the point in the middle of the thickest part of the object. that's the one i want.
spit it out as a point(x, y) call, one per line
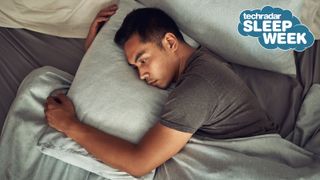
point(23, 51)
point(62, 18)
point(259, 157)
point(19, 157)
point(263, 157)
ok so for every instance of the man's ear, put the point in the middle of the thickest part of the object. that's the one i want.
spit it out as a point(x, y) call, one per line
point(170, 42)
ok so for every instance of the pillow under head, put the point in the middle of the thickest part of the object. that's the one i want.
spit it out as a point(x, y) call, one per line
point(214, 24)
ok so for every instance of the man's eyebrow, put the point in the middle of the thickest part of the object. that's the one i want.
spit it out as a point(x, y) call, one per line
point(139, 55)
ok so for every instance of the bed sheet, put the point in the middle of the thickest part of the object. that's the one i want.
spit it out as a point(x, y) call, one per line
point(281, 96)
point(19, 157)
point(263, 157)
point(23, 51)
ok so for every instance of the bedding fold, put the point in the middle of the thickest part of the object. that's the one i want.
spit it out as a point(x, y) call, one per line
point(20, 159)
point(259, 157)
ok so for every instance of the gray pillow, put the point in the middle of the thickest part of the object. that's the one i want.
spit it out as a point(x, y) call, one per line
point(108, 95)
point(214, 24)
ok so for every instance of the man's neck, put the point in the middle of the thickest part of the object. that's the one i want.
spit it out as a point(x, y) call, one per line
point(184, 54)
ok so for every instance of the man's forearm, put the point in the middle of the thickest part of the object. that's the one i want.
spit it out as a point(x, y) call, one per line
point(111, 150)
point(158, 145)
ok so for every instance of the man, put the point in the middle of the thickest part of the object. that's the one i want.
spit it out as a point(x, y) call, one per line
point(209, 100)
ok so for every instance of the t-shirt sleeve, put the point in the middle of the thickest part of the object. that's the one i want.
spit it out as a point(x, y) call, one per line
point(189, 105)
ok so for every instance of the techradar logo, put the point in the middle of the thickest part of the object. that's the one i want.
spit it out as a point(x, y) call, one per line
point(275, 28)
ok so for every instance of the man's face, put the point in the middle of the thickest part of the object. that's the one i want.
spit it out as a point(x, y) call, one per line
point(157, 66)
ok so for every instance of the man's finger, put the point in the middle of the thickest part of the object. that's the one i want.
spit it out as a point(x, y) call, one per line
point(111, 8)
point(106, 13)
point(102, 19)
point(51, 102)
point(63, 98)
point(115, 8)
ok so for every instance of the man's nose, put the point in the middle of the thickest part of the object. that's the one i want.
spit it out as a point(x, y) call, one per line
point(143, 74)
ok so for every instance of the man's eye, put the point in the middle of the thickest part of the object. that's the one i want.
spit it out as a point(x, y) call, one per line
point(142, 61)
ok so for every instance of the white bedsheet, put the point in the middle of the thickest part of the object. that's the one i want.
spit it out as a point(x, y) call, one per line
point(71, 18)
point(259, 157)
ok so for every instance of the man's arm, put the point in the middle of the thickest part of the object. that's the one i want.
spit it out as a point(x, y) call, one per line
point(158, 145)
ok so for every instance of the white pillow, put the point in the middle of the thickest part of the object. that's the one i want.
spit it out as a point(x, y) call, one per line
point(214, 24)
point(70, 18)
point(108, 95)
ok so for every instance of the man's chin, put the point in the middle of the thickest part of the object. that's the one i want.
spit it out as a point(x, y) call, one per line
point(157, 86)
point(162, 86)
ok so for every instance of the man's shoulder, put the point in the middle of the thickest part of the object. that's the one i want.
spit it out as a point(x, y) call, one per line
point(204, 61)
point(210, 71)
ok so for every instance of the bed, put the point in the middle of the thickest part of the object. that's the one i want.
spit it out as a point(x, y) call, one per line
point(292, 101)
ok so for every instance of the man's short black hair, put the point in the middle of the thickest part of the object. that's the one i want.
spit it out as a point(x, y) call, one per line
point(151, 24)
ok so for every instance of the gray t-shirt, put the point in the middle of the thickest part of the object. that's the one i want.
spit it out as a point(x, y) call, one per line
point(210, 100)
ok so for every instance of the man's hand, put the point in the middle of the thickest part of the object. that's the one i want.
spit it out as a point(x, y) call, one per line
point(60, 112)
point(102, 17)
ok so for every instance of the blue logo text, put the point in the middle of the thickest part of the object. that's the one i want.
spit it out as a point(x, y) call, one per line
point(275, 28)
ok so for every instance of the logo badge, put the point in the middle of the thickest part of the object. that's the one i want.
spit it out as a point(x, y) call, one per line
point(275, 28)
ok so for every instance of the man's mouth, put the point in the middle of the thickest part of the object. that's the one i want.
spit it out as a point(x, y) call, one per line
point(152, 83)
